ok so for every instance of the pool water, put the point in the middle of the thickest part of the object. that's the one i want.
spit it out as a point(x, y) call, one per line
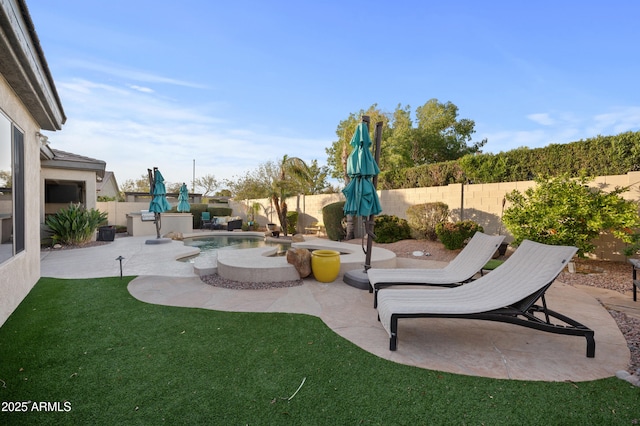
point(209, 246)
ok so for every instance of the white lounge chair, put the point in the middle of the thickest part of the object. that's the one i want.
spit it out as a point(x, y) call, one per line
point(508, 294)
point(460, 270)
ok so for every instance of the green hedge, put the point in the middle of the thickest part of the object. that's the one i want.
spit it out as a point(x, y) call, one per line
point(598, 156)
point(332, 215)
point(292, 222)
point(389, 229)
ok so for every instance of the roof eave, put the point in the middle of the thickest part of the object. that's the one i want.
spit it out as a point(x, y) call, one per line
point(24, 66)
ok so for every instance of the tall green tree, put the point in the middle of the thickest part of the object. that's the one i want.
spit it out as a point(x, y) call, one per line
point(317, 183)
point(437, 135)
point(396, 149)
point(441, 135)
point(339, 150)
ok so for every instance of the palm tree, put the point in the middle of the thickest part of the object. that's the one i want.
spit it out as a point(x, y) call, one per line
point(293, 174)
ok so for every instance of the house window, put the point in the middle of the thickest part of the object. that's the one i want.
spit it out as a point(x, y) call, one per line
point(12, 200)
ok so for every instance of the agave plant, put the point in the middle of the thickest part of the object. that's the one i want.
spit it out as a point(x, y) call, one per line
point(75, 224)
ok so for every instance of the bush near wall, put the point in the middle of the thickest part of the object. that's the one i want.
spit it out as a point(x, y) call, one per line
point(598, 156)
point(454, 234)
point(292, 222)
point(389, 229)
point(332, 215)
point(423, 218)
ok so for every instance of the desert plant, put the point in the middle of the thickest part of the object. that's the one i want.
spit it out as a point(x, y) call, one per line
point(389, 229)
point(454, 234)
point(292, 222)
point(423, 218)
point(75, 224)
point(564, 211)
point(332, 215)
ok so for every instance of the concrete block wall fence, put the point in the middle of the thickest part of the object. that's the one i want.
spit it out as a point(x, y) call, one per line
point(479, 202)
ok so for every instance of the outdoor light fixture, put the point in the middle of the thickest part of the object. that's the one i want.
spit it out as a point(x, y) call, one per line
point(120, 258)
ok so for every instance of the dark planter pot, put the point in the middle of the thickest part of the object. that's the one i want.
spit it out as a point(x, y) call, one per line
point(106, 233)
point(502, 250)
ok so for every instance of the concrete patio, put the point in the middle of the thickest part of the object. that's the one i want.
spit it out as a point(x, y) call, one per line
point(477, 348)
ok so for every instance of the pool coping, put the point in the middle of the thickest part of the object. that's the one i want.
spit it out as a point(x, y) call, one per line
point(259, 265)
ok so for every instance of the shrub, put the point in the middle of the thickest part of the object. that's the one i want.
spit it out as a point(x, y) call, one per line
point(389, 229)
point(220, 211)
point(75, 224)
point(332, 215)
point(564, 211)
point(453, 235)
point(292, 222)
point(423, 218)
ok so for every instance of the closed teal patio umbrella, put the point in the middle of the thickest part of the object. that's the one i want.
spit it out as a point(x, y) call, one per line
point(361, 196)
point(183, 199)
point(360, 193)
point(159, 203)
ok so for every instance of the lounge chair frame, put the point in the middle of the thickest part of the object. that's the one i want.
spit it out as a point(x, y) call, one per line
point(520, 313)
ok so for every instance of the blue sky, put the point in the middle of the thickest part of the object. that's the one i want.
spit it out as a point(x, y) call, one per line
point(234, 84)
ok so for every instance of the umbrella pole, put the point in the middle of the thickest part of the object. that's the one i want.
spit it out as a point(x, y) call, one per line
point(157, 221)
point(371, 223)
point(359, 279)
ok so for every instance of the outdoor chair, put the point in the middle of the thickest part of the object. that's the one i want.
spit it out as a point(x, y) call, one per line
point(234, 224)
point(460, 270)
point(205, 220)
point(508, 294)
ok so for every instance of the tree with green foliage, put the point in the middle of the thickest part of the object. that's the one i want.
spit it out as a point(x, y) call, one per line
point(439, 135)
point(139, 185)
point(339, 151)
point(253, 184)
point(317, 180)
point(293, 175)
point(5, 179)
point(565, 211)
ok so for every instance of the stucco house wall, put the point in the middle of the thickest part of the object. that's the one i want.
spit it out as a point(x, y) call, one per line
point(29, 100)
point(22, 271)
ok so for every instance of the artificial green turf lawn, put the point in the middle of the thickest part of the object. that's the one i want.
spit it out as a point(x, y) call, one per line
point(116, 360)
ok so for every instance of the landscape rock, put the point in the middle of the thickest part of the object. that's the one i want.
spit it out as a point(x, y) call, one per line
point(301, 259)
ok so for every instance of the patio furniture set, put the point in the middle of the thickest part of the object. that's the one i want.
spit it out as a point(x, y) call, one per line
point(226, 223)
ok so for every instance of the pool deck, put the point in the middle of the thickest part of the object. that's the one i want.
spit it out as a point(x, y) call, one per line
point(477, 348)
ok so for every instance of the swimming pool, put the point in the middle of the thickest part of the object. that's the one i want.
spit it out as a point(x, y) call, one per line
point(210, 245)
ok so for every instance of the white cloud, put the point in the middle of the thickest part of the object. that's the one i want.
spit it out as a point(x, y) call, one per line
point(544, 119)
point(133, 129)
point(141, 89)
point(563, 128)
point(131, 74)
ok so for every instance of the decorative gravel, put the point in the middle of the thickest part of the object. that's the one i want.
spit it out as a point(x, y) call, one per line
point(217, 281)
